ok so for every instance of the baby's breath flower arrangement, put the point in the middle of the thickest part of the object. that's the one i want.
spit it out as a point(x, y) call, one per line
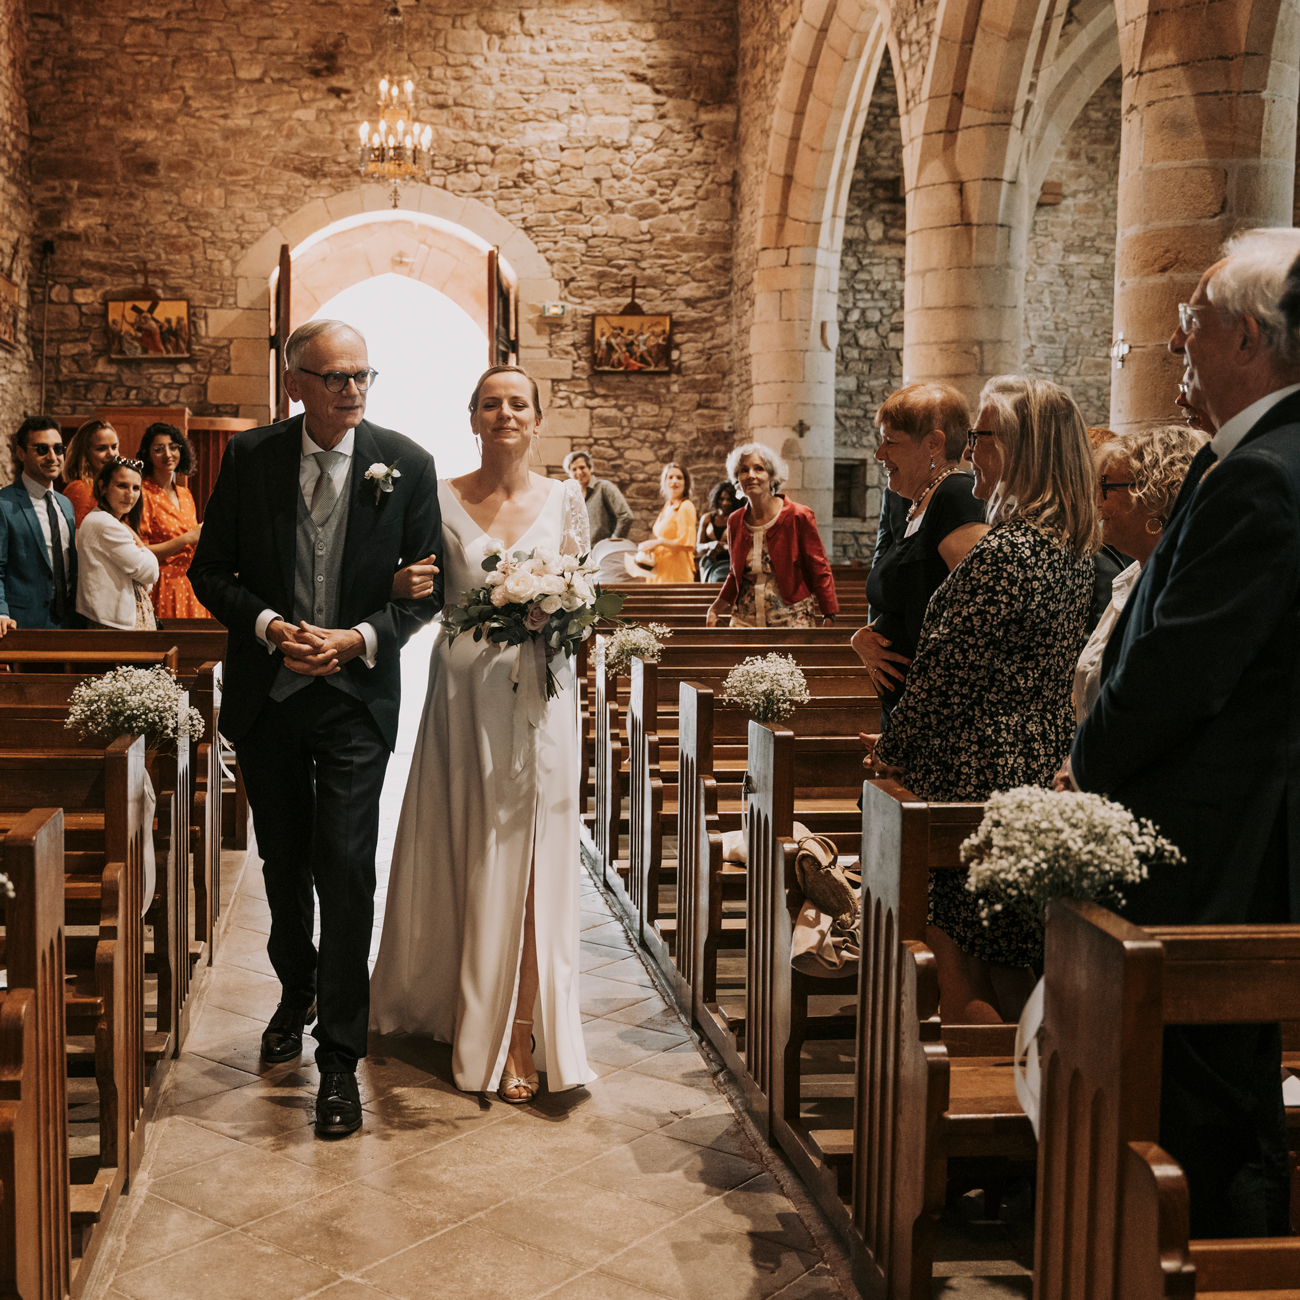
point(1034, 844)
point(632, 639)
point(131, 702)
point(767, 687)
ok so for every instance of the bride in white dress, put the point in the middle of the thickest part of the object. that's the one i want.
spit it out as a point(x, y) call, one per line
point(477, 949)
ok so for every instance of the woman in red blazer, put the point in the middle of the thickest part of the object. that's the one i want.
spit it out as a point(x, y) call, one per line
point(780, 576)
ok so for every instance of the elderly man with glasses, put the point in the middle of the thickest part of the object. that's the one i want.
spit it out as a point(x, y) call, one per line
point(38, 553)
point(308, 523)
point(1197, 725)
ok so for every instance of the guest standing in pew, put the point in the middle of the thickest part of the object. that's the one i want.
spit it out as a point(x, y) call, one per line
point(299, 550)
point(1110, 562)
point(608, 512)
point(672, 548)
point(1138, 477)
point(711, 542)
point(170, 524)
point(91, 448)
point(986, 705)
point(780, 576)
point(929, 520)
point(116, 568)
point(1197, 725)
point(38, 553)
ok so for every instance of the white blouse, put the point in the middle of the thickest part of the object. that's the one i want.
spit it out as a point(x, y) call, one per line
point(1087, 672)
point(109, 564)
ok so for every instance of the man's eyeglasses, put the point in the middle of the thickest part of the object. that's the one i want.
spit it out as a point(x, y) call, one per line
point(1187, 321)
point(974, 435)
point(337, 380)
point(1107, 486)
point(53, 449)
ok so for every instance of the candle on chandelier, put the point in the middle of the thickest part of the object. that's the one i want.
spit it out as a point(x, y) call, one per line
point(365, 132)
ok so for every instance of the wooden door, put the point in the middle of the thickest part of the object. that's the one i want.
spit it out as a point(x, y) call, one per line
point(503, 316)
point(280, 330)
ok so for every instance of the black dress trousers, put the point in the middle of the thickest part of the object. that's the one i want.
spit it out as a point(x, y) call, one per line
point(314, 768)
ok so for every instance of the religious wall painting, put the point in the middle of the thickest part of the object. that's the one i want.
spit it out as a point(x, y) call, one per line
point(9, 300)
point(632, 344)
point(147, 328)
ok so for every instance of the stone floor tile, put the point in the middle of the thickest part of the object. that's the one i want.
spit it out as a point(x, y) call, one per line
point(685, 1263)
point(618, 1043)
point(644, 1101)
point(245, 992)
point(630, 971)
point(651, 1013)
point(244, 1052)
point(591, 956)
point(715, 1125)
point(984, 1288)
point(608, 932)
point(817, 1284)
point(246, 948)
point(194, 1077)
point(469, 1263)
point(217, 1026)
point(375, 1147)
point(580, 1221)
point(250, 913)
point(680, 1064)
point(759, 1207)
point(252, 1113)
point(350, 1289)
point(347, 1229)
point(229, 1267)
point(175, 1144)
point(245, 1185)
point(599, 1286)
point(159, 1228)
point(668, 1172)
point(599, 997)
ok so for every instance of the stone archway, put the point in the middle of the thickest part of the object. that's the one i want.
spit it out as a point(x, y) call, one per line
point(444, 233)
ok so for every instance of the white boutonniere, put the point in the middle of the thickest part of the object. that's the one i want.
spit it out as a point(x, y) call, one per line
point(382, 476)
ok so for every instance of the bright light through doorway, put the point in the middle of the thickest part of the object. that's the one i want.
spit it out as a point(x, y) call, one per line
point(428, 351)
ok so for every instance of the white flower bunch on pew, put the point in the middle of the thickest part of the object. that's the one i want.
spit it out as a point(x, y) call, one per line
point(1034, 844)
point(132, 702)
point(632, 639)
point(767, 687)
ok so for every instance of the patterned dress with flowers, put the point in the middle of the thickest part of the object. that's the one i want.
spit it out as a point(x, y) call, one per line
point(161, 520)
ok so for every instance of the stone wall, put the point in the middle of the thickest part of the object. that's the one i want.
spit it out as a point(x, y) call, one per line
point(1070, 262)
point(605, 132)
point(869, 360)
point(19, 386)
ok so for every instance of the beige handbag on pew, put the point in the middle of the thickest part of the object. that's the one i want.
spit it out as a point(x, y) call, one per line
point(825, 939)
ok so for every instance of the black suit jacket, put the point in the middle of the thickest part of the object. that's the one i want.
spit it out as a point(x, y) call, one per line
point(244, 562)
point(1198, 722)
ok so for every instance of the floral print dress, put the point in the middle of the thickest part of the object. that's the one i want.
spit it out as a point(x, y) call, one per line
point(760, 603)
point(987, 701)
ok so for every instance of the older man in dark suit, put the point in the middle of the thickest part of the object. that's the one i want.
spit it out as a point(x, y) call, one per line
point(307, 524)
point(1198, 722)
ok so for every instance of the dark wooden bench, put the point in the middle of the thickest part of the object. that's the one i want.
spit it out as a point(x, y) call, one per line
point(71, 660)
point(1112, 1205)
point(193, 647)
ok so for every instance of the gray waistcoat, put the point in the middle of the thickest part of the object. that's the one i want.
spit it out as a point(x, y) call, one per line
point(318, 561)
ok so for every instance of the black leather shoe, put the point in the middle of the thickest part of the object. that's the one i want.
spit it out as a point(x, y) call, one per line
point(338, 1105)
point(282, 1037)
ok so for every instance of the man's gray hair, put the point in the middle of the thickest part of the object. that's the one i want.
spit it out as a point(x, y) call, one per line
point(1261, 279)
point(773, 463)
point(313, 329)
point(579, 454)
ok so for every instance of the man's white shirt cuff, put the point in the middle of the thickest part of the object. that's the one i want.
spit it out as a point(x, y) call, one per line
point(264, 620)
point(371, 638)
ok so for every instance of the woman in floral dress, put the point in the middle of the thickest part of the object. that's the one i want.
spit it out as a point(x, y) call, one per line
point(170, 525)
point(987, 702)
point(780, 576)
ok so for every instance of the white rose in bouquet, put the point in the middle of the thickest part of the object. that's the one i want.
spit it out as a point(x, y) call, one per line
point(520, 586)
point(500, 596)
point(551, 584)
point(581, 588)
point(494, 579)
point(568, 563)
point(495, 547)
point(550, 603)
point(569, 602)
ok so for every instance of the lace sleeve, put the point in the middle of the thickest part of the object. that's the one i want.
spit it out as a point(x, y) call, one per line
point(577, 527)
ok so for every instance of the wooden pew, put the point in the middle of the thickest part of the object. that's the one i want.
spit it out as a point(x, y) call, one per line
point(194, 646)
point(1112, 1210)
point(82, 661)
point(35, 1208)
point(100, 794)
point(933, 1100)
point(205, 818)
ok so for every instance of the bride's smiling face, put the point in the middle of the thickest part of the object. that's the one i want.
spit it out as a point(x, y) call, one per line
point(505, 413)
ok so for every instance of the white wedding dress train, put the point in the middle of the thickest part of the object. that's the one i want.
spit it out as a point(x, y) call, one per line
point(493, 787)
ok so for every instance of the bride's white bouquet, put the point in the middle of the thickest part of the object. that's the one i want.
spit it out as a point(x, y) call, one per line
point(1034, 844)
point(535, 595)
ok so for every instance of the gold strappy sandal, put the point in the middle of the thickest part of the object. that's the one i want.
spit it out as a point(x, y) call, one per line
point(510, 1082)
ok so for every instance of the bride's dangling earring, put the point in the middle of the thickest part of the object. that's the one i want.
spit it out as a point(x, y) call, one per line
point(478, 442)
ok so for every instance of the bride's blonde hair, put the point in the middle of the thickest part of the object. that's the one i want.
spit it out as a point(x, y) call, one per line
point(505, 370)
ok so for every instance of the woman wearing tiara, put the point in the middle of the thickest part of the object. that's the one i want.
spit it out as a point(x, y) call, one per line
point(480, 937)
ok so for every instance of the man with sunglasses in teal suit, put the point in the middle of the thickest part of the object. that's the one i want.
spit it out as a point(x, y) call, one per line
point(38, 552)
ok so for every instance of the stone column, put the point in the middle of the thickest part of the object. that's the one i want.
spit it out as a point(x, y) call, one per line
point(1207, 147)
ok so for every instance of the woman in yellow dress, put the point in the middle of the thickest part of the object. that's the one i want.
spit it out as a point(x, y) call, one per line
point(673, 543)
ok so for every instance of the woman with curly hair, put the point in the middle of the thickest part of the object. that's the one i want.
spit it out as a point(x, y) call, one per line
point(91, 448)
point(170, 524)
point(1138, 477)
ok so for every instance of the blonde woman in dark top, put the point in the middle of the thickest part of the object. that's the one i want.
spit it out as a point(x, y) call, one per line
point(987, 704)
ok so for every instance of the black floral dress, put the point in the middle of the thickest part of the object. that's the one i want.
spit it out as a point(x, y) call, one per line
point(987, 701)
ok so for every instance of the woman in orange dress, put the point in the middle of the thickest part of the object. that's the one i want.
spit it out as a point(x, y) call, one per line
point(169, 525)
point(673, 543)
point(91, 448)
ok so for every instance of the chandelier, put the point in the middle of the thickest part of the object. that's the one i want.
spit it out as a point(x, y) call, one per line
point(395, 147)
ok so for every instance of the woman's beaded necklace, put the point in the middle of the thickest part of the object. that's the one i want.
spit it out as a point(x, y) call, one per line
point(929, 487)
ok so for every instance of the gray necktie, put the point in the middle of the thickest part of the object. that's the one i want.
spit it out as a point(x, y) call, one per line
point(324, 494)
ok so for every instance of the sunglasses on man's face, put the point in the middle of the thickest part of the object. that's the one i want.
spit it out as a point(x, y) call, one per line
point(48, 449)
